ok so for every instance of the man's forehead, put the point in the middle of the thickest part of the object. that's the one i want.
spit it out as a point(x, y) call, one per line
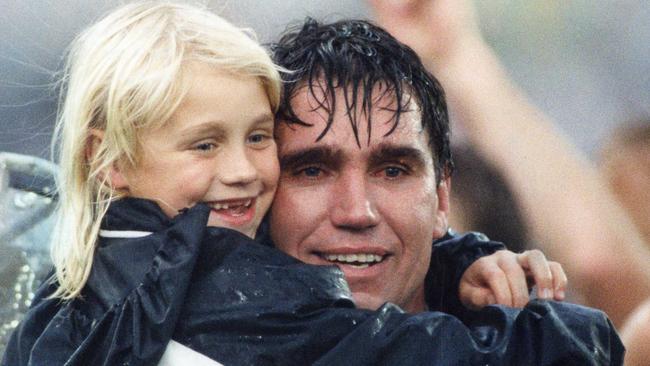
point(339, 141)
point(315, 107)
point(319, 94)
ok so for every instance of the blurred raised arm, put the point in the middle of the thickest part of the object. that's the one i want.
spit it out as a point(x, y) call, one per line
point(568, 207)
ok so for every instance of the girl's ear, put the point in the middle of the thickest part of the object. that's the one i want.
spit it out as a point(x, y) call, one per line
point(116, 176)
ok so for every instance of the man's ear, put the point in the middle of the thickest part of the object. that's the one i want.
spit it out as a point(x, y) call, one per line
point(116, 177)
point(442, 213)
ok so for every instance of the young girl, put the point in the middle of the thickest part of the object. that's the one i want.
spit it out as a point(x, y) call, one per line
point(168, 165)
point(165, 102)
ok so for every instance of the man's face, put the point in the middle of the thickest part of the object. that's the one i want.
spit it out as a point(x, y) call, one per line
point(372, 210)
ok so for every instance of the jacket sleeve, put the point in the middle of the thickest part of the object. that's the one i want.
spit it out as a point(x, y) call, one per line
point(31, 327)
point(451, 256)
point(543, 334)
point(131, 330)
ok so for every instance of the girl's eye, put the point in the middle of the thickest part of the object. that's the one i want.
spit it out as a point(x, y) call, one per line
point(260, 140)
point(205, 146)
point(257, 138)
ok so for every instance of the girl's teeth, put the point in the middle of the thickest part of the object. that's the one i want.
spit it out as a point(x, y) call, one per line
point(225, 206)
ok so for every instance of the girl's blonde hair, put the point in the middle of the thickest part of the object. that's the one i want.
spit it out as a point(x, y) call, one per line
point(123, 74)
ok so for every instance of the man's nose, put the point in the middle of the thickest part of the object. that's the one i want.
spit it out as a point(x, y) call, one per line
point(352, 206)
point(236, 168)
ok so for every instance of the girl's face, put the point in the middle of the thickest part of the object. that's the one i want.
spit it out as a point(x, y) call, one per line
point(218, 149)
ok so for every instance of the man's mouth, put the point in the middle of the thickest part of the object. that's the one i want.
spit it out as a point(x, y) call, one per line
point(357, 260)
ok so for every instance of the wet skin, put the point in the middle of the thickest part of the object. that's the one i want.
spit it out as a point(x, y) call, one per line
point(372, 210)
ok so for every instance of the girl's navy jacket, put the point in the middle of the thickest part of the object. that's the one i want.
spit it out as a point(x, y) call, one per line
point(245, 303)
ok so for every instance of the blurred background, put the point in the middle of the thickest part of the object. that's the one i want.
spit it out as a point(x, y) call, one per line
point(585, 63)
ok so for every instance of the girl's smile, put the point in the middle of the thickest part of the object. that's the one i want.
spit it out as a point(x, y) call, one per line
point(235, 212)
point(217, 148)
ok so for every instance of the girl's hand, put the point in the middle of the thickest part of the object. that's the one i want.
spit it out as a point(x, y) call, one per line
point(505, 278)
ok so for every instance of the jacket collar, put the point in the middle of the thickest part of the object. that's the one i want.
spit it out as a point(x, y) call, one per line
point(135, 215)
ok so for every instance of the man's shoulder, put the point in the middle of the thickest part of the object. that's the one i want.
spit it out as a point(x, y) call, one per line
point(454, 242)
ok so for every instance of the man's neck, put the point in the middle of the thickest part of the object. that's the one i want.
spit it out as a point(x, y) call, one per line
point(417, 303)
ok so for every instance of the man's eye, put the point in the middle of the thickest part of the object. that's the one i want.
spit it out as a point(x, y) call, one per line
point(393, 171)
point(311, 171)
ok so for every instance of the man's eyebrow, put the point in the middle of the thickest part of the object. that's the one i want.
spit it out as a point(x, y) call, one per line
point(386, 153)
point(322, 155)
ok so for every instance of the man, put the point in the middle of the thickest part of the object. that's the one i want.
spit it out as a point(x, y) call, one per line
point(363, 142)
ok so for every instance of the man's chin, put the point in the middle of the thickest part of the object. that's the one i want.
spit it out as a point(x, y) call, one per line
point(367, 301)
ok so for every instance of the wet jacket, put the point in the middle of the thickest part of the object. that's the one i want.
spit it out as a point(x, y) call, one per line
point(242, 303)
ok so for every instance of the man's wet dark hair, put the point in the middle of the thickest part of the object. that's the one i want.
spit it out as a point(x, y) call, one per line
point(361, 58)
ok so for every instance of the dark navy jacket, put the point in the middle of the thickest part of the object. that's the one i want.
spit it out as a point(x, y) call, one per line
point(243, 303)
